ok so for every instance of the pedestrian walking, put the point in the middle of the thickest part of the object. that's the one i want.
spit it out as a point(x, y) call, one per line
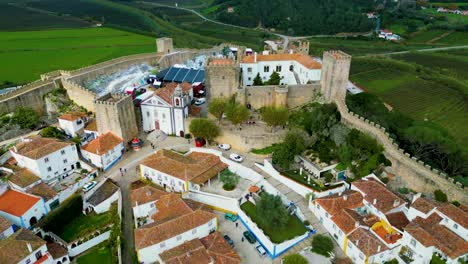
point(242, 239)
point(237, 224)
point(120, 169)
point(125, 171)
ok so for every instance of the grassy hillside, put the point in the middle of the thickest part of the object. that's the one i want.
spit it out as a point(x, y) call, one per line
point(417, 92)
point(27, 54)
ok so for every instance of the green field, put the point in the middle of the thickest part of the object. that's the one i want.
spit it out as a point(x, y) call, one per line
point(27, 54)
point(417, 96)
point(98, 254)
point(426, 35)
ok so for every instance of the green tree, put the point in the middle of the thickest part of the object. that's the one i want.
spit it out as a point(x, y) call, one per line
point(275, 79)
point(51, 132)
point(25, 117)
point(229, 179)
point(293, 144)
point(322, 244)
point(204, 128)
point(236, 113)
point(275, 116)
point(271, 210)
point(440, 196)
point(436, 260)
point(257, 81)
point(217, 106)
point(294, 259)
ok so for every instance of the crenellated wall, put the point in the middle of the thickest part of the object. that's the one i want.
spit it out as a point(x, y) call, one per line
point(30, 95)
point(415, 173)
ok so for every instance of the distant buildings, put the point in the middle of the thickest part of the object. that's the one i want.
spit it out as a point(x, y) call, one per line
point(47, 158)
point(294, 68)
point(388, 35)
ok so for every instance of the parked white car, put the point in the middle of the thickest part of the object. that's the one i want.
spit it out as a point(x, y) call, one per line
point(224, 146)
point(88, 186)
point(236, 157)
point(200, 101)
point(260, 250)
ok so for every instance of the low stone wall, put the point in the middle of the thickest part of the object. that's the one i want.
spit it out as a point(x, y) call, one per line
point(415, 173)
point(74, 251)
point(244, 142)
point(299, 95)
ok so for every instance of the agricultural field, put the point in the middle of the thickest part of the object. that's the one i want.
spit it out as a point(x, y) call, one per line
point(27, 54)
point(16, 18)
point(417, 96)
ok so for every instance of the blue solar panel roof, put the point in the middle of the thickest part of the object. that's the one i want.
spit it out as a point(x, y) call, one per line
point(175, 74)
point(180, 77)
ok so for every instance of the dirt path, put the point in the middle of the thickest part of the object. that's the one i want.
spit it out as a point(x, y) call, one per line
point(439, 37)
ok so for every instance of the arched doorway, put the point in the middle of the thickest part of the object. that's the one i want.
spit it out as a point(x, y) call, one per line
point(32, 221)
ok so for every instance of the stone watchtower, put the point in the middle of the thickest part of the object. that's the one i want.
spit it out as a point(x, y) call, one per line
point(116, 113)
point(164, 45)
point(222, 77)
point(335, 73)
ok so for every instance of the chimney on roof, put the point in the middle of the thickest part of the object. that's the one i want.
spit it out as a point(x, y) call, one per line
point(356, 224)
point(396, 202)
point(29, 247)
point(357, 243)
point(148, 193)
point(15, 149)
point(378, 248)
point(345, 197)
point(255, 57)
point(375, 201)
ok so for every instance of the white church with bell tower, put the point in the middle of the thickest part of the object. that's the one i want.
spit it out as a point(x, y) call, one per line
point(167, 108)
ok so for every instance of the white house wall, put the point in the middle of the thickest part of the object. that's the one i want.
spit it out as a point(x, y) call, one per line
point(6, 233)
point(151, 254)
point(161, 179)
point(71, 127)
point(106, 205)
point(32, 257)
point(106, 159)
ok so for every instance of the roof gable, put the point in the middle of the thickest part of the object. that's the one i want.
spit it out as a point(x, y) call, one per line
point(17, 203)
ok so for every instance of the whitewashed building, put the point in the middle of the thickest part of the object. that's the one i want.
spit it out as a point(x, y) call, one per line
point(58, 253)
point(24, 247)
point(102, 197)
point(22, 209)
point(179, 173)
point(293, 69)
point(104, 151)
point(73, 123)
point(144, 200)
point(47, 158)
point(167, 109)
point(6, 228)
point(174, 224)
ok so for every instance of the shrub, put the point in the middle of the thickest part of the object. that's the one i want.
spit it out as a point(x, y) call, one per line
point(294, 259)
point(322, 245)
point(436, 260)
point(306, 222)
point(25, 117)
point(456, 203)
point(392, 261)
point(51, 132)
point(385, 180)
point(229, 179)
point(440, 196)
point(403, 190)
point(271, 210)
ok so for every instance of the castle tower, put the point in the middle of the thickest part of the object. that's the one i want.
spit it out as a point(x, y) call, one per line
point(304, 47)
point(221, 78)
point(116, 113)
point(335, 73)
point(164, 45)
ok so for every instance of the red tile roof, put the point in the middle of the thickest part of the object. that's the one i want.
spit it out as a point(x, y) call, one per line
point(303, 59)
point(23, 177)
point(423, 205)
point(430, 233)
point(14, 248)
point(103, 144)
point(43, 190)
point(166, 92)
point(4, 224)
point(334, 203)
point(196, 167)
point(17, 203)
point(192, 252)
point(145, 194)
point(219, 249)
point(56, 250)
point(91, 126)
point(72, 116)
point(367, 242)
point(457, 214)
point(221, 62)
point(375, 191)
point(397, 220)
point(39, 147)
point(348, 220)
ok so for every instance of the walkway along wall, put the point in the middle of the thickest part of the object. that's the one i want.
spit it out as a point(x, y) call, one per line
point(415, 173)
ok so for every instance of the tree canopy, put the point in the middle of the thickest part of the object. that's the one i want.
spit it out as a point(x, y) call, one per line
point(229, 179)
point(271, 210)
point(217, 107)
point(236, 113)
point(322, 244)
point(257, 81)
point(204, 128)
point(275, 116)
point(294, 259)
point(275, 79)
point(52, 132)
point(294, 143)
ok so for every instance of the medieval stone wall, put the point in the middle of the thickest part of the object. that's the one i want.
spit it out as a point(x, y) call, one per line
point(301, 94)
point(79, 94)
point(30, 95)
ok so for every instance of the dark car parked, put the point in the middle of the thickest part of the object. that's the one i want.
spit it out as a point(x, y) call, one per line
point(229, 240)
point(250, 237)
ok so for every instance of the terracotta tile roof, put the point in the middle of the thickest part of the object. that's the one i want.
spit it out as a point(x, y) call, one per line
point(196, 167)
point(169, 207)
point(145, 194)
point(56, 250)
point(17, 203)
point(4, 224)
point(219, 249)
point(43, 190)
point(334, 203)
point(166, 92)
point(348, 220)
point(40, 147)
point(457, 214)
point(398, 220)
point(23, 177)
point(170, 222)
point(106, 190)
point(221, 62)
point(191, 251)
point(14, 248)
point(103, 144)
point(72, 116)
point(423, 205)
point(430, 233)
point(374, 190)
point(303, 59)
point(367, 242)
point(91, 126)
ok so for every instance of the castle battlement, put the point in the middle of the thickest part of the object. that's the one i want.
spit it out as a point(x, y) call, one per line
point(111, 99)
